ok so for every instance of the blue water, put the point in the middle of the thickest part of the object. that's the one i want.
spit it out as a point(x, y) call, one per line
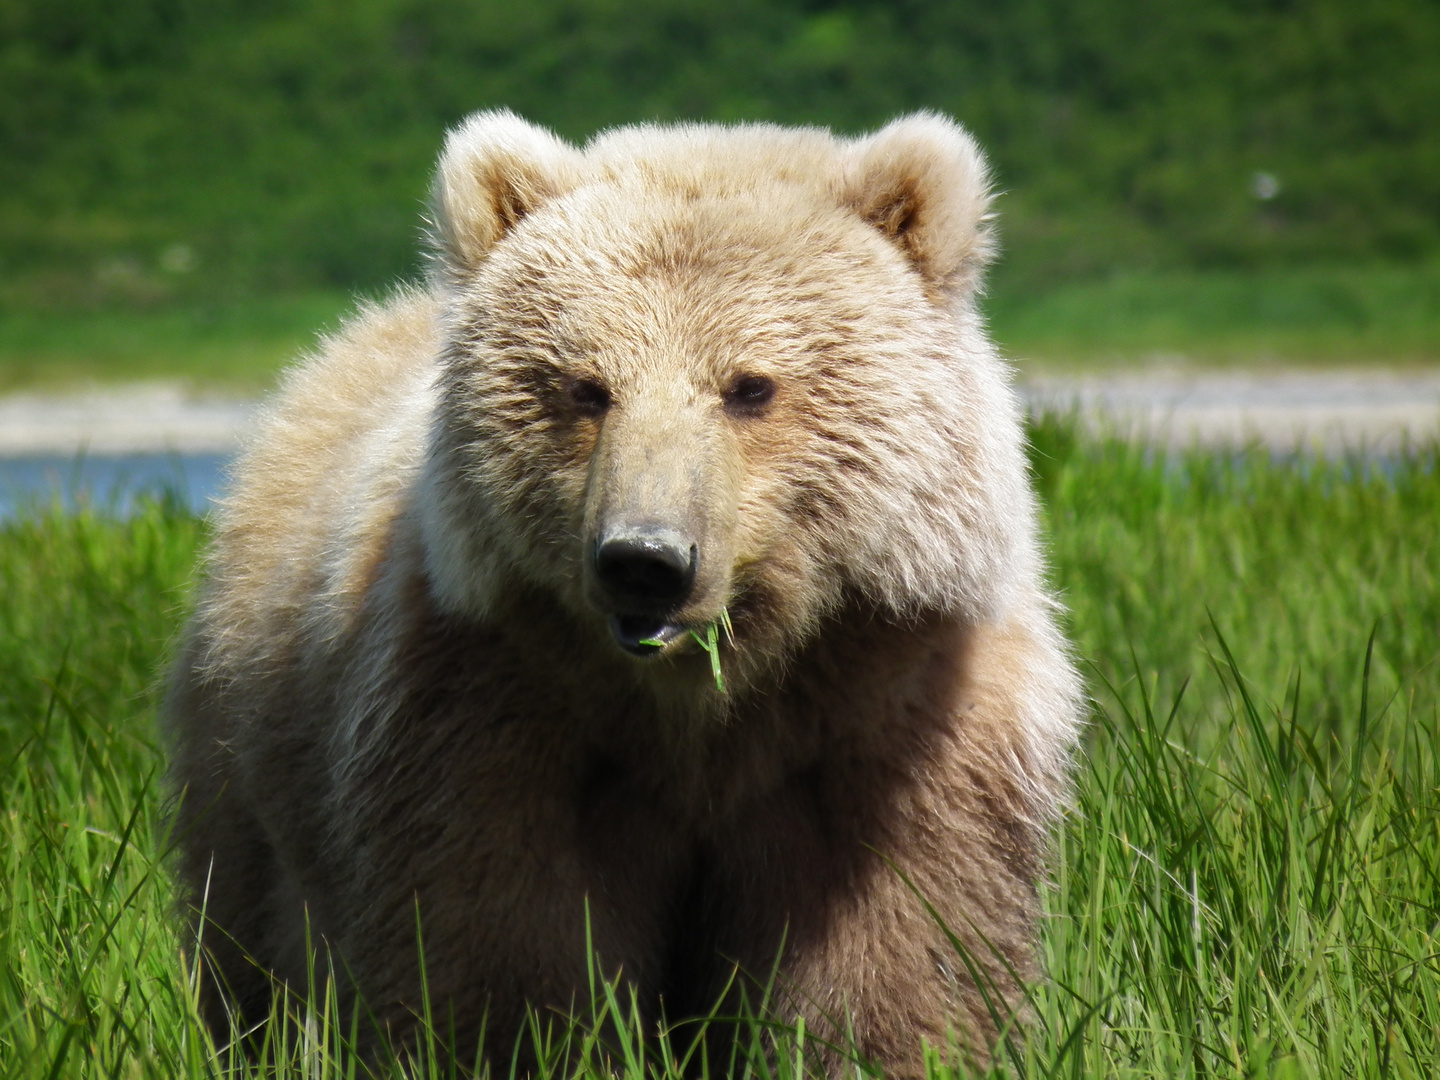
point(112, 484)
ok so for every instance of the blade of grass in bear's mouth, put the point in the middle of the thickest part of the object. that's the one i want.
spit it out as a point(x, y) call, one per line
point(643, 635)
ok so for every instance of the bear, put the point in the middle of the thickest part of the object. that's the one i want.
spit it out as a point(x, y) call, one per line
point(655, 585)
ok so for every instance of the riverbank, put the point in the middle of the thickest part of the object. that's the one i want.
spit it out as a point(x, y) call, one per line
point(122, 419)
point(1327, 411)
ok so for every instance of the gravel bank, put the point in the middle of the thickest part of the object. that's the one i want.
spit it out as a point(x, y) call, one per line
point(138, 418)
point(1328, 411)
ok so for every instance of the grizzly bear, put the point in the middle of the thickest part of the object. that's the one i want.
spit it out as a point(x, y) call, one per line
point(657, 585)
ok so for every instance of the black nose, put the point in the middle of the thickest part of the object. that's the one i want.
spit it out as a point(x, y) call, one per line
point(648, 568)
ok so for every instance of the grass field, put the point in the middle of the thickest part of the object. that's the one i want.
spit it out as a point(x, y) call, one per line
point(1248, 884)
point(235, 344)
point(1321, 315)
point(1385, 314)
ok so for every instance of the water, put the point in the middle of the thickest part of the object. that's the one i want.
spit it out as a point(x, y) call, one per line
point(112, 483)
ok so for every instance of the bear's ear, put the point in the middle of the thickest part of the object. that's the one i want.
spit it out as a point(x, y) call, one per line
point(923, 182)
point(495, 169)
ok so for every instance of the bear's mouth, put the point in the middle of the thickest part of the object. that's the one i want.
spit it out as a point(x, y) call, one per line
point(644, 635)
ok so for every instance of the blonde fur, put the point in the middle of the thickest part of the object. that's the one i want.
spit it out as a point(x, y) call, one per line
point(401, 687)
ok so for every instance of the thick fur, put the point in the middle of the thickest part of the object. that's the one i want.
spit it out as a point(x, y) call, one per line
point(400, 696)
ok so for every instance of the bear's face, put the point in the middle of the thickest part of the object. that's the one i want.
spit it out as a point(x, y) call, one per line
point(698, 384)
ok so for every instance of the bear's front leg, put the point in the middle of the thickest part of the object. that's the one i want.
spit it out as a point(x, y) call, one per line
point(855, 915)
point(509, 862)
point(913, 818)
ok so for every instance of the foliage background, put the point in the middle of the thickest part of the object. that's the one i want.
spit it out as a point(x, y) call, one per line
point(153, 148)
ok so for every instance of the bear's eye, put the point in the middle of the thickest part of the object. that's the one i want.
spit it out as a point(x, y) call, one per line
point(749, 394)
point(589, 396)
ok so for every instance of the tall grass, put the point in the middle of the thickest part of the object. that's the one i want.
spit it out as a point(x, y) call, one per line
point(1295, 562)
point(1248, 883)
point(90, 982)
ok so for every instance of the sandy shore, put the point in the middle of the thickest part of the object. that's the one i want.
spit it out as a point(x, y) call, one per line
point(1330, 411)
point(127, 419)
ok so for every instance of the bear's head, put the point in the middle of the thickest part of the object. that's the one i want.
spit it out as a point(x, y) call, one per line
point(695, 372)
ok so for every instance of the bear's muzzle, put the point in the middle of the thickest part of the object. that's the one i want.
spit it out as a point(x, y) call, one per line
point(646, 572)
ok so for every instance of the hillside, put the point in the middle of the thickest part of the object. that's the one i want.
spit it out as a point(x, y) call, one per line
point(157, 148)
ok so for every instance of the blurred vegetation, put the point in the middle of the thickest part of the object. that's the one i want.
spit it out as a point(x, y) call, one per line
point(173, 148)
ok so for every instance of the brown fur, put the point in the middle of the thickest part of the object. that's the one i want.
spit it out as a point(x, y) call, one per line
point(401, 694)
